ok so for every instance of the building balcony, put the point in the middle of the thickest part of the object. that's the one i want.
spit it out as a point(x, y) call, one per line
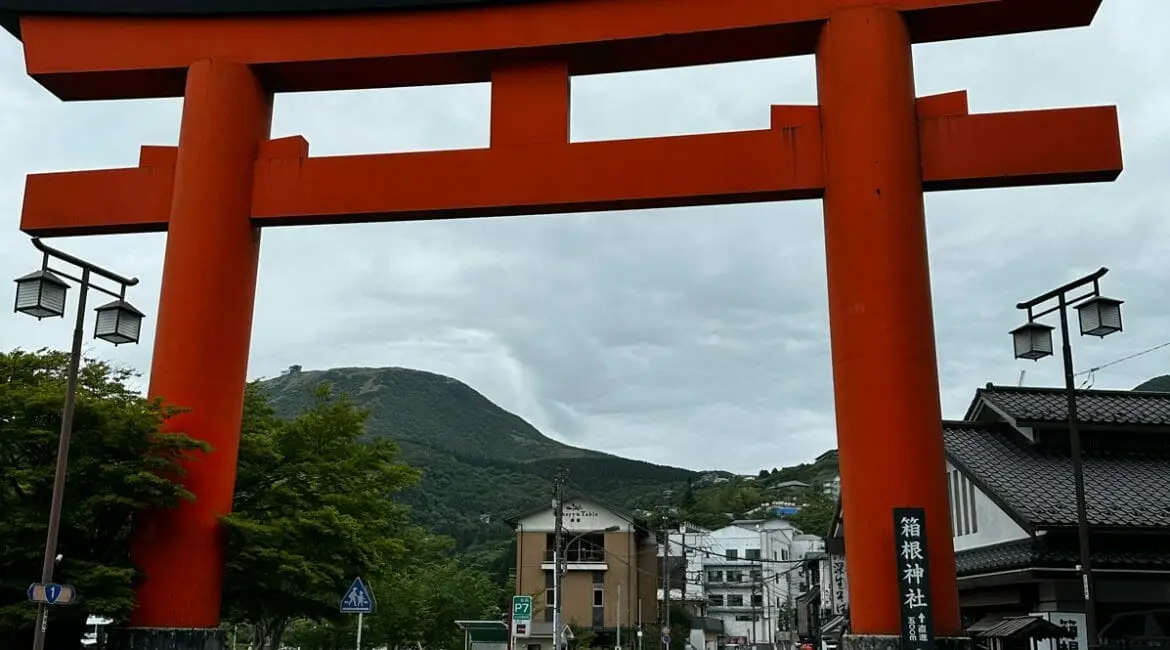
point(725, 584)
point(717, 560)
point(578, 559)
point(737, 609)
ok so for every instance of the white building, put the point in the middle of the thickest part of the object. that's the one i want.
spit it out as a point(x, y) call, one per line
point(751, 580)
point(690, 546)
point(739, 581)
point(833, 487)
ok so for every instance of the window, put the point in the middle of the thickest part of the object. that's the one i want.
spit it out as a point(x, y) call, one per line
point(962, 497)
point(756, 575)
point(757, 600)
point(732, 554)
point(784, 554)
point(735, 576)
point(587, 548)
point(715, 599)
point(550, 597)
point(734, 600)
point(751, 554)
point(598, 596)
point(714, 576)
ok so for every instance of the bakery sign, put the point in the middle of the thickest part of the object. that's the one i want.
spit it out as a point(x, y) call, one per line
point(576, 513)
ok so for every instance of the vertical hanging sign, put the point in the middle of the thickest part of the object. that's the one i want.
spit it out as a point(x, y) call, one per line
point(840, 586)
point(913, 578)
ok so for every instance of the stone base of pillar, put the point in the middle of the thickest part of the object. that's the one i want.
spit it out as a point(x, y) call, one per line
point(890, 642)
point(165, 638)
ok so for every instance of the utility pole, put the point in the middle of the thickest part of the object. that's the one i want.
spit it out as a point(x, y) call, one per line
point(755, 578)
point(619, 617)
point(640, 630)
point(665, 509)
point(558, 551)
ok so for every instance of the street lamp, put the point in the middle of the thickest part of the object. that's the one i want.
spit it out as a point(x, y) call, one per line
point(41, 294)
point(559, 570)
point(1099, 316)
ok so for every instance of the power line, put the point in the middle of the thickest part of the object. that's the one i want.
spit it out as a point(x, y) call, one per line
point(1135, 355)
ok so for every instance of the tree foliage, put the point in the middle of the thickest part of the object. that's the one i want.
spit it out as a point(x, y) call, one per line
point(118, 464)
point(314, 507)
point(816, 516)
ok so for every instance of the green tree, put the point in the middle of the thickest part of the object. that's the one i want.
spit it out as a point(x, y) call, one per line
point(816, 515)
point(314, 507)
point(439, 593)
point(118, 464)
point(423, 601)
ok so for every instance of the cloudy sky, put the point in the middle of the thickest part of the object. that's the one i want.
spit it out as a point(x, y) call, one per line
point(660, 335)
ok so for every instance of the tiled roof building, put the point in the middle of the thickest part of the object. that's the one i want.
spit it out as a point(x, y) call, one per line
point(1014, 514)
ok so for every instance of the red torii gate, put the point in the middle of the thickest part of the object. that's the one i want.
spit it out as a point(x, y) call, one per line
point(869, 150)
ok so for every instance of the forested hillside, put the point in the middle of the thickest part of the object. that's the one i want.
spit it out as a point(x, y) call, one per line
point(481, 464)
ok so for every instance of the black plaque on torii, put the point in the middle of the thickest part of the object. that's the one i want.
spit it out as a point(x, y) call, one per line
point(913, 578)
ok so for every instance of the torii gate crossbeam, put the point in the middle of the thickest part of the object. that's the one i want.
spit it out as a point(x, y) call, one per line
point(869, 150)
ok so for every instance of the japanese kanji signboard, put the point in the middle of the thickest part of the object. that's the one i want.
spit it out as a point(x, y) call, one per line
point(840, 586)
point(913, 578)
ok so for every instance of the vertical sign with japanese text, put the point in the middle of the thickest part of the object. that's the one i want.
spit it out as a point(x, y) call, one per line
point(913, 578)
point(1073, 622)
point(840, 586)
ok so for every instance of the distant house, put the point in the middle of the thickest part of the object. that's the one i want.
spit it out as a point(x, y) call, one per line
point(833, 487)
point(792, 485)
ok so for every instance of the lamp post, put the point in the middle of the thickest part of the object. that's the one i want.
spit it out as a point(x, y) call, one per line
point(42, 294)
point(1099, 316)
point(559, 571)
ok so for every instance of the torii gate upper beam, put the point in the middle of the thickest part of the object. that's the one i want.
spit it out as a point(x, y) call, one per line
point(107, 56)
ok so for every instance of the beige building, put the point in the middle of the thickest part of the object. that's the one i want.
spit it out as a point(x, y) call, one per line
point(611, 576)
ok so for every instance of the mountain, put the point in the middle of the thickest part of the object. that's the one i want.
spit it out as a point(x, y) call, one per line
point(1157, 384)
point(480, 463)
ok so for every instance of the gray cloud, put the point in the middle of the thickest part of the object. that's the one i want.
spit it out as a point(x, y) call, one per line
point(696, 337)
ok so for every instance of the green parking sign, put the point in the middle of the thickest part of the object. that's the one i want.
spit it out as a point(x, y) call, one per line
point(521, 608)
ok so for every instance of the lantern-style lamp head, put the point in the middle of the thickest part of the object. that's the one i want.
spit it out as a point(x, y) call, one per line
point(1033, 341)
point(41, 294)
point(1100, 316)
point(118, 322)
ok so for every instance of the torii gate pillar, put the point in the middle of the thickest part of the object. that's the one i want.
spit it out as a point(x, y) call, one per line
point(880, 317)
point(869, 150)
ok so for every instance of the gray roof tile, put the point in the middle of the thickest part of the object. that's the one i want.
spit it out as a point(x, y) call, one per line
point(1121, 489)
point(1029, 554)
point(1093, 406)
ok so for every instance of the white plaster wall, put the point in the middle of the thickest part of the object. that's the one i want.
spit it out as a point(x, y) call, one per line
point(992, 524)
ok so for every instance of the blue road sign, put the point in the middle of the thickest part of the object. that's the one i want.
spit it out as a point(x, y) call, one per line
point(51, 593)
point(665, 639)
point(358, 599)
